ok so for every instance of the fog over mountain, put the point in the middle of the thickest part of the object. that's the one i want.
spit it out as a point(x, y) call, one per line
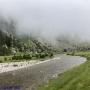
point(50, 17)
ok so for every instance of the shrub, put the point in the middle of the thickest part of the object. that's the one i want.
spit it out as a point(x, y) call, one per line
point(27, 56)
point(14, 57)
point(17, 57)
point(46, 54)
point(37, 55)
point(1, 61)
point(20, 57)
point(51, 54)
point(5, 58)
point(33, 55)
point(42, 55)
point(73, 53)
point(10, 58)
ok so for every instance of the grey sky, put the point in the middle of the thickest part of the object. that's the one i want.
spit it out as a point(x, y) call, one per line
point(51, 17)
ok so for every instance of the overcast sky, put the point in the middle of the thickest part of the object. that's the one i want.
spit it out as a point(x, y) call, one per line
point(50, 17)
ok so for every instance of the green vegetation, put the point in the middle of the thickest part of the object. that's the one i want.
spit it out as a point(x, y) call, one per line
point(23, 48)
point(83, 54)
point(76, 79)
point(5, 59)
point(14, 47)
point(32, 56)
point(23, 57)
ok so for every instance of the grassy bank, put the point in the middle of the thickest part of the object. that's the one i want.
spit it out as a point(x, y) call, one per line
point(76, 79)
point(26, 57)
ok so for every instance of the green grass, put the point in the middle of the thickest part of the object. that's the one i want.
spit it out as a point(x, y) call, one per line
point(76, 79)
point(5, 59)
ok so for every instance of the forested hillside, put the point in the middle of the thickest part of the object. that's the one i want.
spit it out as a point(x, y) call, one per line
point(11, 43)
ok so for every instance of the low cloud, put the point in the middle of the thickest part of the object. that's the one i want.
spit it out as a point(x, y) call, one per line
point(50, 18)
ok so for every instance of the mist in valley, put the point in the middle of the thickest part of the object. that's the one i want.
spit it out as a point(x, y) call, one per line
point(54, 21)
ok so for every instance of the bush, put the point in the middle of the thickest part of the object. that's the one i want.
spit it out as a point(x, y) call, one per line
point(10, 58)
point(5, 59)
point(17, 57)
point(46, 54)
point(20, 57)
point(73, 53)
point(32, 56)
point(51, 54)
point(27, 56)
point(42, 55)
point(1, 61)
point(37, 55)
point(14, 57)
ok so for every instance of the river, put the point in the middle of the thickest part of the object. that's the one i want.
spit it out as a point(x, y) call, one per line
point(29, 78)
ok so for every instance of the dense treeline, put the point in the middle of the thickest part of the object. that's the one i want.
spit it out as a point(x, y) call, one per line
point(12, 44)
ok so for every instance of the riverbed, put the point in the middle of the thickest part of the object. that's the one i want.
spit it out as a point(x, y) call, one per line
point(30, 77)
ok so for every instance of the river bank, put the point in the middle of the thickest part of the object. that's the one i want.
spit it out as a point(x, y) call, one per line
point(11, 66)
point(29, 78)
point(77, 78)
